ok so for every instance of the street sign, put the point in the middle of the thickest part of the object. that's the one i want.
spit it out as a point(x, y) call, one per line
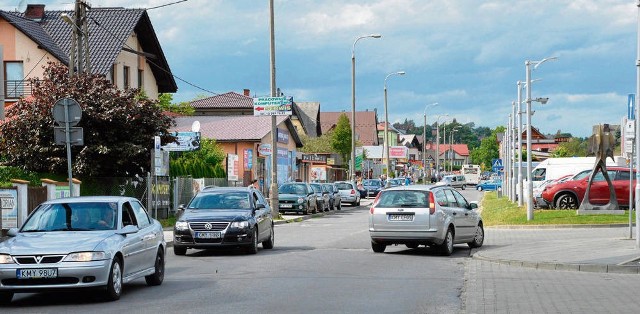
point(74, 112)
point(264, 149)
point(496, 165)
point(272, 106)
point(76, 137)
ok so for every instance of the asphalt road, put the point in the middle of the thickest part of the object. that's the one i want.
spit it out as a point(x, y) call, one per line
point(321, 265)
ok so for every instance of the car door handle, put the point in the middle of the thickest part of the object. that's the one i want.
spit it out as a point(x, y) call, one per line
point(455, 214)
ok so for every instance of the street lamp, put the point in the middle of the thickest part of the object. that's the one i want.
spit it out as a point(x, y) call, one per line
point(424, 142)
point(386, 124)
point(543, 101)
point(438, 142)
point(451, 151)
point(352, 166)
point(521, 86)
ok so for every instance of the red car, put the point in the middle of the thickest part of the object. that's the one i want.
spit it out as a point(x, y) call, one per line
point(569, 194)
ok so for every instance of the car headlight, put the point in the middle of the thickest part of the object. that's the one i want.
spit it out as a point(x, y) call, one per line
point(6, 259)
point(240, 224)
point(182, 225)
point(85, 257)
point(300, 200)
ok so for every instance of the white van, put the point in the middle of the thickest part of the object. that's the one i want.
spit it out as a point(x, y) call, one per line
point(471, 173)
point(554, 168)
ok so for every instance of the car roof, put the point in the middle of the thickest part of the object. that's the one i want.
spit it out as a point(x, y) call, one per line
point(416, 187)
point(225, 189)
point(86, 199)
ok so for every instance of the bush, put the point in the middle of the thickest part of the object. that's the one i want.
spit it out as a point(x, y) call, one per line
point(8, 173)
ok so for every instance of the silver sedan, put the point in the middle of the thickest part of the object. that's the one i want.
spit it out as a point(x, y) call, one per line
point(83, 242)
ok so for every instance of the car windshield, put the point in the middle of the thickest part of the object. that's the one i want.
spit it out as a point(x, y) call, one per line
point(372, 183)
point(293, 189)
point(86, 216)
point(316, 188)
point(344, 186)
point(221, 200)
point(401, 198)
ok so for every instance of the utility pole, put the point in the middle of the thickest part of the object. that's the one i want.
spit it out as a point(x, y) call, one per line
point(273, 191)
point(79, 52)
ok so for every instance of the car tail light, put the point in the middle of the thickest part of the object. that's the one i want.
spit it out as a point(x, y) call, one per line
point(353, 191)
point(375, 202)
point(432, 204)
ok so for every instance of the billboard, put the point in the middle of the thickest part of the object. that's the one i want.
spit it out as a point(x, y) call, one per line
point(186, 141)
point(272, 106)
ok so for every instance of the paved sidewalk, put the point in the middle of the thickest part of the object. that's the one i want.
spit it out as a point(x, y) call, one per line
point(587, 248)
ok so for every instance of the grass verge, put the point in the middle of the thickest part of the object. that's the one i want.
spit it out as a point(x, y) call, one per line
point(500, 211)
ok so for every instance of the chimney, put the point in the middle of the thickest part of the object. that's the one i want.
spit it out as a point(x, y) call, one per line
point(34, 11)
point(247, 92)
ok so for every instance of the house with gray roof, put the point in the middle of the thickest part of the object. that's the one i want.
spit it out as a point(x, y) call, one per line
point(122, 46)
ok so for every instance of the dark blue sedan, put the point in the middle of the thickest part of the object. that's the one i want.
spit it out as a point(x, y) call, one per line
point(489, 185)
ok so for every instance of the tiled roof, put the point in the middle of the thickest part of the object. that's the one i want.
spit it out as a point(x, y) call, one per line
point(365, 125)
point(109, 28)
point(460, 149)
point(309, 115)
point(234, 128)
point(224, 101)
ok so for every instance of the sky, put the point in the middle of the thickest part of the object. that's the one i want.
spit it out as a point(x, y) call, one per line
point(466, 55)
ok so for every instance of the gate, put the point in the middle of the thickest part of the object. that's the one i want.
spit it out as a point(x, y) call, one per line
point(35, 196)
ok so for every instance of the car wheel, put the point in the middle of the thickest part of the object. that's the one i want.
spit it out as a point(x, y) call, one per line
point(478, 239)
point(463, 186)
point(253, 247)
point(479, 188)
point(5, 297)
point(358, 203)
point(447, 245)
point(179, 250)
point(157, 277)
point(339, 206)
point(567, 201)
point(269, 243)
point(377, 247)
point(412, 245)
point(114, 284)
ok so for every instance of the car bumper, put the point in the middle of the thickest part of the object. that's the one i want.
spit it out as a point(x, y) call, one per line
point(432, 236)
point(349, 199)
point(292, 208)
point(186, 239)
point(70, 275)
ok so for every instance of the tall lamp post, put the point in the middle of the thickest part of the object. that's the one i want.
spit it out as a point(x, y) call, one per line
point(352, 164)
point(424, 142)
point(386, 124)
point(543, 101)
point(452, 152)
point(438, 141)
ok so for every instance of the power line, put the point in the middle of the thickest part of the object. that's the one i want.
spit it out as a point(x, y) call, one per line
point(165, 5)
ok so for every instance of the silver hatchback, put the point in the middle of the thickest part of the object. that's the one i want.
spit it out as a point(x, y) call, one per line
point(424, 215)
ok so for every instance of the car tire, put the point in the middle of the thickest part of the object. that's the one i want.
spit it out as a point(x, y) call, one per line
point(463, 186)
point(377, 247)
point(567, 201)
point(358, 203)
point(478, 238)
point(253, 247)
point(179, 250)
point(5, 297)
point(339, 206)
point(479, 188)
point(412, 245)
point(447, 245)
point(114, 284)
point(157, 277)
point(271, 241)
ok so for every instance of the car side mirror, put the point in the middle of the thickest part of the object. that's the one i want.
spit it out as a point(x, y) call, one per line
point(128, 229)
point(12, 232)
point(260, 205)
point(473, 205)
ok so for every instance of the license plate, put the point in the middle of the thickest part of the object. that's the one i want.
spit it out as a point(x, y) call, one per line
point(37, 273)
point(208, 235)
point(400, 217)
point(286, 205)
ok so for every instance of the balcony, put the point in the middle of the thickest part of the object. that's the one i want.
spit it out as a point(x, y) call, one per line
point(14, 89)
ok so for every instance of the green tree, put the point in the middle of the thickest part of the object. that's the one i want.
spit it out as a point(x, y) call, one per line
point(165, 101)
point(118, 127)
point(320, 144)
point(203, 163)
point(341, 139)
point(488, 149)
point(575, 147)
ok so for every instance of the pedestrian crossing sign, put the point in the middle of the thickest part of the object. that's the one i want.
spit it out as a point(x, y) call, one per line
point(496, 165)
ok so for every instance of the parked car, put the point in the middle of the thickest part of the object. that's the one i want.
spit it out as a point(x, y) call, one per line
point(538, 201)
point(489, 185)
point(569, 194)
point(96, 242)
point(297, 197)
point(335, 201)
point(453, 180)
point(429, 215)
point(322, 196)
point(395, 182)
point(348, 192)
point(372, 186)
point(224, 217)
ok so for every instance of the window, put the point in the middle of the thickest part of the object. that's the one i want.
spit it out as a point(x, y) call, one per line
point(141, 215)
point(112, 74)
point(140, 78)
point(125, 77)
point(14, 79)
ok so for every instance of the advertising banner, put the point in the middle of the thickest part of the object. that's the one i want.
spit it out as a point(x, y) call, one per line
point(272, 106)
point(9, 206)
point(398, 152)
point(318, 173)
point(186, 141)
point(232, 167)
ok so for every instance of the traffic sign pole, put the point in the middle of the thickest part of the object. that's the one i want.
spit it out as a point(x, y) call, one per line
point(68, 137)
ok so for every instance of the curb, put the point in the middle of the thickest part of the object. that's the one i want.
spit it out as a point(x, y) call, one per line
point(558, 226)
point(592, 268)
